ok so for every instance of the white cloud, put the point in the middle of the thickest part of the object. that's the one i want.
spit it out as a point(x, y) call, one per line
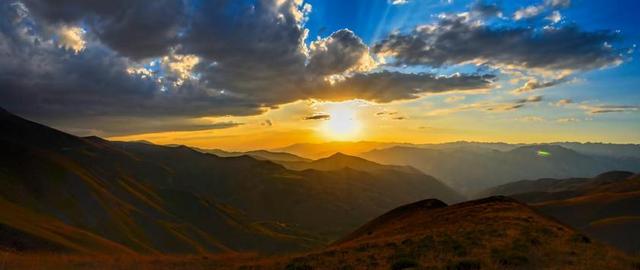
point(528, 12)
point(554, 17)
point(399, 2)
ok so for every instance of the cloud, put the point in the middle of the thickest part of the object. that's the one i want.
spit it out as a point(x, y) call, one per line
point(535, 10)
point(71, 37)
point(341, 52)
point(398, 2)
point(530, 99)
point(454, 99)
point(495, 107)
point(455, 40)
point(266, 123)
point(118, 126)
point(564, 102)
point(154, 59)
point(528, 12)
point(534, 84)
point(320, 116)
point(531, 119)
point(558, 3)
point(136, 29)
point(485, 10)
point(601, 109)
point(554, 17)
point(386, 113)
point(387, 86)
point(567, 120)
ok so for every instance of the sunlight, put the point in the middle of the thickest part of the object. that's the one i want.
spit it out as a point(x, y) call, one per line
point(343, 124)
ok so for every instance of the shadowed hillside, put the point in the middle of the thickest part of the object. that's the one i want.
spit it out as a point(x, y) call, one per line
point(66, 193)
point(148, 198)
point(606, 207)
point(491, 233)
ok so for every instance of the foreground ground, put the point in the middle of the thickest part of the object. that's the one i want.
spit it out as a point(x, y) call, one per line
point(492, 233)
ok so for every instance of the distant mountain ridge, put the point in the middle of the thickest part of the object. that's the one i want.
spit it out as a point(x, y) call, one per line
point(320, 150)
point(473, 169)
point(607, 206)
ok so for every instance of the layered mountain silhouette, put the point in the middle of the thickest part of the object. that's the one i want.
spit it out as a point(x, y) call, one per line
point(605, 207)
point(62, 192)
point(472, 168)
point(491, 233)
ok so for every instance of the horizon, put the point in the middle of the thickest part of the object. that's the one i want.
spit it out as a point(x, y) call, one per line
point(264, 74)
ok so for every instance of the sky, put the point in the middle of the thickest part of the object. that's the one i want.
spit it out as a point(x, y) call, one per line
point(263, 74)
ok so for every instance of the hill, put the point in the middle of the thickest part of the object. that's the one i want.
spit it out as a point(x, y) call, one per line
point(473, 169)
point(64, 193)
point(490, 233)
point(605, 207)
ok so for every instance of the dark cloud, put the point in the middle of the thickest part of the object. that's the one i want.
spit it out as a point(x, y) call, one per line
point(138, 29)
point(484, 9)
point(454, 40)
point(387, 86)
point(338, 53)
point(530, 99)
point(266, 123)
point(117, 126)
point(318, 117)
point(251, 55)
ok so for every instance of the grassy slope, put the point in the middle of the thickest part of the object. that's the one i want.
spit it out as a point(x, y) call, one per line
point(606, 207)
point(492, 233)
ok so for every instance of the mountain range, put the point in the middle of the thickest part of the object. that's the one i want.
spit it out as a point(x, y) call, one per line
point(62, 192)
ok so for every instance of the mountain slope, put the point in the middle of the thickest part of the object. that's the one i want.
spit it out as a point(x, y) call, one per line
point(471, 170)
point(491, 233)
point(606, 207)
point(91, 189)
point(152, 198)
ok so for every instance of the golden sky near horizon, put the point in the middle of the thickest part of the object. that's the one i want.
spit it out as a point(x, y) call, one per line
point(417, 121)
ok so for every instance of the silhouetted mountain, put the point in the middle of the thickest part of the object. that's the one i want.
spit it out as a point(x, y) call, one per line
point(86, 194)
point(339, 161)
point(491, 233)
point(141, 197)
point(471, 170)
point(321, 150)
point(257, 154)
point(606, 207)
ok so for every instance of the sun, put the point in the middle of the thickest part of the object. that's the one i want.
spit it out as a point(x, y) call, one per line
point(343, 123)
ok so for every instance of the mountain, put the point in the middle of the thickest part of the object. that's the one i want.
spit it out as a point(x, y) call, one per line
point(146, 198)
point(490, 233)
point(386, 173)
point(343, 198)
point(473, 169)
point(64, 193)
point(339, 161)
point(322, 150)
point(605, 207)
point(257, 154)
